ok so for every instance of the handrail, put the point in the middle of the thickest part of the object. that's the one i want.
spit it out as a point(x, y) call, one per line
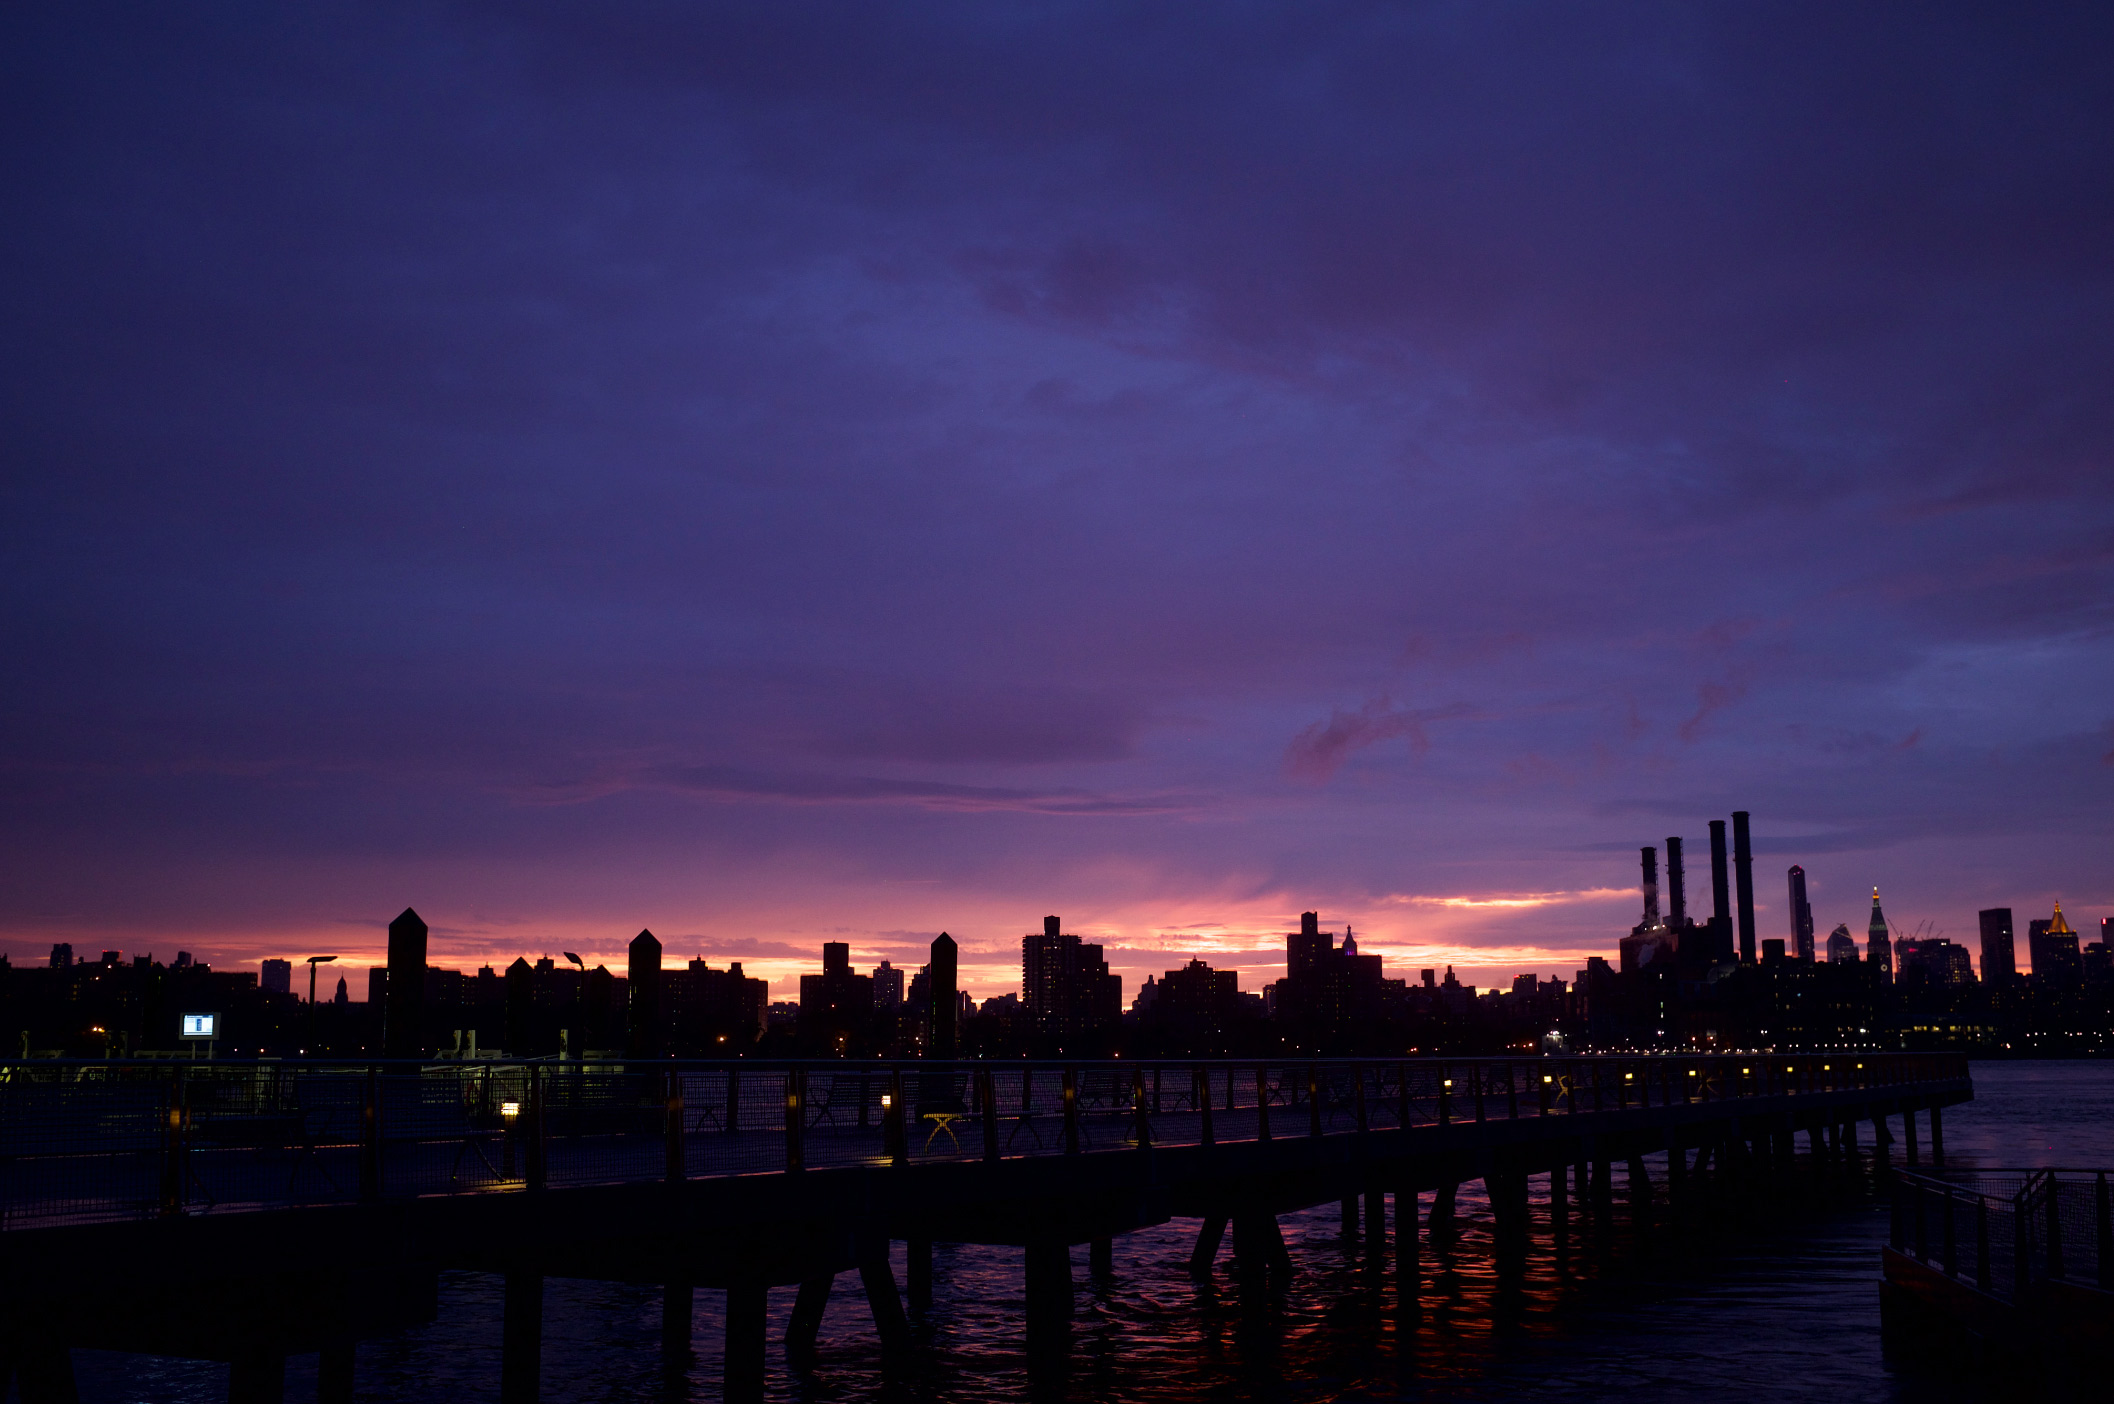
point(116, 1139)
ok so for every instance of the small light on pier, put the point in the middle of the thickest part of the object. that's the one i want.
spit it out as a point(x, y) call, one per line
point(510, 1109)
point(887, 1101)
point(1447, 1083)
point(1547, 1078)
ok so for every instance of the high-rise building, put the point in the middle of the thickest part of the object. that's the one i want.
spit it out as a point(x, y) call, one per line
point(1878, 943)
point(1999, 955)
point(887, 987)
point(946, 996)
point(1842, 946)
point(1801, 916)
point(836, 1001)
point(275, 976)
point(1066, 985)
point(1326, 987)
point(2057, 962)
point(62, 956)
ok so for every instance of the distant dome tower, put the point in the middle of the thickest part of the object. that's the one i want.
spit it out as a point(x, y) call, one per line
point(1878, 945)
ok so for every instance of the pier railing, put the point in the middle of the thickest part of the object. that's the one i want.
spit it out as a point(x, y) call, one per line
point(2004, 1231)
point(118, 1139)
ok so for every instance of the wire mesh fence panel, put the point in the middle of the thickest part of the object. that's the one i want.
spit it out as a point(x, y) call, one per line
point(117, 1139)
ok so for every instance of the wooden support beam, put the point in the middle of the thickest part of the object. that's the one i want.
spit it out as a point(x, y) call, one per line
point(1376, 1219)
point(44, 1371)
point(1408, 1271)
point(879, 1280)
point(917, 1270)
point(1348, 1224)
point(334, 1373)
point(521, 1339)
point(806, 1323)
point(1208, 1238)
point(1442, 1210)
point(678, 1303)
point(1049, 1299)
point(748, 1309)
point(257, 1379)
point(1640, 1196)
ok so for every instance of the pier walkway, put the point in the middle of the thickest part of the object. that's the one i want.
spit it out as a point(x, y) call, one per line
point(177, 1207)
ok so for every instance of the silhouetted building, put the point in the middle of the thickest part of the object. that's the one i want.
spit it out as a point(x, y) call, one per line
point(341, 999)
point(837, 1002)
point(1878, 944)
point(946, 998)
point(1066, 985)
point(1999, 955)
point(1842, 946)
point(404, 1016)
point(2057, 962)
point(642, 974)
point(887, 987)
point(1801, 915)
point(275, 976)
point(710, 1012)
point(1932, 961)
point(1326, 987)
point(62, 955)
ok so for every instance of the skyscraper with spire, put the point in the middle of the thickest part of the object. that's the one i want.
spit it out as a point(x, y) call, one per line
point(2057, 962)
point(1878, 944)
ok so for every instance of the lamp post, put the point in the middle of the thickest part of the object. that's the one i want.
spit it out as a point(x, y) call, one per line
point(313, 962)
point(579, 1033)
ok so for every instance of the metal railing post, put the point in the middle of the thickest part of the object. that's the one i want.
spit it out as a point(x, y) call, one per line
point(175, 1118)
point(672, 1127)
point(1203, 1104)
point(894, 1125)
point(734, 1102)
point(1141, 1121)
point(2055, 1230)
point(1071, 1110)
point(2021, 1244)
point(1313, 1099)
point(2104, 1234)
point(1262, 1101)
point(1475, 1083)
point(371, 1138)
point(987, 1084)
point(537, 1169)
point(1948, 1240)
point(1982, 1242)
point(1358, 1095)
point(1445, 1097)
point(795, 1116)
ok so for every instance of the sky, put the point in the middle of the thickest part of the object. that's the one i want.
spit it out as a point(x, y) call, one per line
point(787, 472)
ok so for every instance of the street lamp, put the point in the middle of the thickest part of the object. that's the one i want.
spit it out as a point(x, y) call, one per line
point(313, 962)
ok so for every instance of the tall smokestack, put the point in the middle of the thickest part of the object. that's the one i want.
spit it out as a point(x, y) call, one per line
point(1651, 888)
point(1743, 878)
point(1720, 880)
point(1676, 886)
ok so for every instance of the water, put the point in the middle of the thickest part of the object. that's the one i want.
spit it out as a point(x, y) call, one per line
point(1783, 1310)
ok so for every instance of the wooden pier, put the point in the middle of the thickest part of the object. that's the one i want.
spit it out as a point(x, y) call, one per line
point(180, 1211)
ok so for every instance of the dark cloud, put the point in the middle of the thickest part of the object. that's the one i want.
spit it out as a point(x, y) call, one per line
point(967, 443)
